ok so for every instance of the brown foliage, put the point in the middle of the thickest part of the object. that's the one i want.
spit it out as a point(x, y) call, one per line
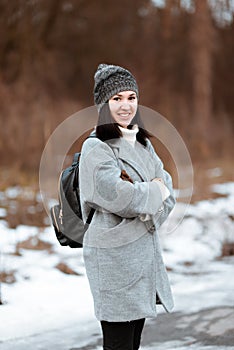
point(228, 249)
point(49, 50)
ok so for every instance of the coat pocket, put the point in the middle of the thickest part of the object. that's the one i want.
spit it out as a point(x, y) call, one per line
point(118, 268)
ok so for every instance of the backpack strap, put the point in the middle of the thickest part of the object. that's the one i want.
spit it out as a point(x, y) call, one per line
point(89, 219)
point(76, 158)
point(92, 210)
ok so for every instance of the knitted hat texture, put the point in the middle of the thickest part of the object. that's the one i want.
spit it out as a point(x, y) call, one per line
point(110, 80)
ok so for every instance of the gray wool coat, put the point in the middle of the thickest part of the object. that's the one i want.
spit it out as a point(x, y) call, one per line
point(122, 254)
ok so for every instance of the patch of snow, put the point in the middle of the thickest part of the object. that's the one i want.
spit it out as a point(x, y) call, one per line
point(215, 172)
point(3, 212)
point(224, 188)
point(43, 297)
point(13, 192)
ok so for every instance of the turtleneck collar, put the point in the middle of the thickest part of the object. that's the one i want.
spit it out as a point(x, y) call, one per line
point(130, 134)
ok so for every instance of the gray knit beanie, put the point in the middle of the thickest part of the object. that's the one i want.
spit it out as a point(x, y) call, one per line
point(110, 80)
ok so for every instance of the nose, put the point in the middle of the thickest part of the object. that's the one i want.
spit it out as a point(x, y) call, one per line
point(125, 106)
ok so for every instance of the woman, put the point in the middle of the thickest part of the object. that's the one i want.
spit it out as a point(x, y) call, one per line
point(123, 179)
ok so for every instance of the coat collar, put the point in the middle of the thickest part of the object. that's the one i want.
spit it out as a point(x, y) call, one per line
point(131, 155)
point(124, 151)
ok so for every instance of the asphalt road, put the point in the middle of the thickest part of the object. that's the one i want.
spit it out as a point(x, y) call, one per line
point(211, 328)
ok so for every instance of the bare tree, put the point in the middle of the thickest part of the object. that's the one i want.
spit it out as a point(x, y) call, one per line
point(201, 36)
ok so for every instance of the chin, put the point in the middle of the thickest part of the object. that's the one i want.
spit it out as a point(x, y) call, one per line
point(124, 123)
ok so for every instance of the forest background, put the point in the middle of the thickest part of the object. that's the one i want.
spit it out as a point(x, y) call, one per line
point(181, 53)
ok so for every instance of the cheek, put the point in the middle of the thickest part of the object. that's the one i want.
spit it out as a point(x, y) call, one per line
point(112, 107)
point(113, 111)
point(134, 107)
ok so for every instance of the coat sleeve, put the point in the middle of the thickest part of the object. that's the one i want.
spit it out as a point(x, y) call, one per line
point(102, 186)
point(169, 203)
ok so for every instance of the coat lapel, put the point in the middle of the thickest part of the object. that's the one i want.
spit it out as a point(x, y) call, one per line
point(133, 156)
point(129, 155)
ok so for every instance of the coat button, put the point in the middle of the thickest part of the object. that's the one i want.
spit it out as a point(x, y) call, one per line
point(152, 228)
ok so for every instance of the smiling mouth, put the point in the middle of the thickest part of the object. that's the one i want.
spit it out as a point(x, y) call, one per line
point(124, 115)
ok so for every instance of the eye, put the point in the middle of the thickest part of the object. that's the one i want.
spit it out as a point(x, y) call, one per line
point(116, 98)
point(132, 98)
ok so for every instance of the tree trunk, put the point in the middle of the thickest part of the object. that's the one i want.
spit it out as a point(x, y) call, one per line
point(201, 38)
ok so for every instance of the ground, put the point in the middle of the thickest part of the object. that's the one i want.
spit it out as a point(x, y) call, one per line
point(208, 329)
point(46, 308)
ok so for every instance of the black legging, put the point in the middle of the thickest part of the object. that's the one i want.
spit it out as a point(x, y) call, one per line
point(122, 335)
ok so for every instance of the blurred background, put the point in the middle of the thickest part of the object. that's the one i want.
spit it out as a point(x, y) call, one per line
point(180, 51)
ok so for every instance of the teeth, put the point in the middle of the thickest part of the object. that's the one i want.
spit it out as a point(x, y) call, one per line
point(124, 115)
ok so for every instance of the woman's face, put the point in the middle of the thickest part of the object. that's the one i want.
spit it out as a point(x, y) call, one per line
point(123, 107)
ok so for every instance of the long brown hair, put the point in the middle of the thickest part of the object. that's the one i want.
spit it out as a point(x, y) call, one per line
point(107, 128)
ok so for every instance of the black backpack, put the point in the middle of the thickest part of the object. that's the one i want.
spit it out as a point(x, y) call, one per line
point(66, 216)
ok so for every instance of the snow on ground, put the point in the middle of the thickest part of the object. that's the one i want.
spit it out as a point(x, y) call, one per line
point(44, 299)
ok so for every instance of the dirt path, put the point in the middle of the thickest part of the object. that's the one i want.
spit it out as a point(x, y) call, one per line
point(207, 329)
point(210, 327)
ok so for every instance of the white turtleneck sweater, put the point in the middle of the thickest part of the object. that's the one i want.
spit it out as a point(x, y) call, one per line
point(130, 134)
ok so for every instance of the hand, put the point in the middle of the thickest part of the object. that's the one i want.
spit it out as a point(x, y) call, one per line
point(124, 176)
point(163, 188)
point(158, 179)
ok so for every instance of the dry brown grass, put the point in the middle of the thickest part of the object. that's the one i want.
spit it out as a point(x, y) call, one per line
point(66, 269)
point(34, 243)
point(227, 249)
point(203, 179)
point(7, 277)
